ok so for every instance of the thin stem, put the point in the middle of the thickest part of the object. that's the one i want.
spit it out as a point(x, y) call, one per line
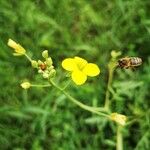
point(119, 145)
point(28, 57)
point(67, 85)
point(25, 97)
point(110, 78)
point(40, 85)
point(75, 101)
point(132, 121)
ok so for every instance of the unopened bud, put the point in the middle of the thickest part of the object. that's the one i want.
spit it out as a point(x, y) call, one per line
point(115, 54)
point(25, 85)
point(50, 68)
point(52, 73)
point(34, 64)
point(119, 118)
point(45, 75)
point(40, 71)
point(49, 61)
point(40, 62)
point(45, 54)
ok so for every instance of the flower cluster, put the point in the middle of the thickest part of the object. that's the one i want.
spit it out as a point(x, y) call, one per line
point(45, 67)
point(80, 69)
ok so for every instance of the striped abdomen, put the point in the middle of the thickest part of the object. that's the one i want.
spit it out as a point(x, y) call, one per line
point(135, 61)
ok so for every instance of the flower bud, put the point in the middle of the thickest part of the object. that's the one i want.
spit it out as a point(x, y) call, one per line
point(115, 54)
point(40, 71)
point(50, 68)
point(40, 62)
point(34, 64)
point(25, 85)
point(119, 118)
point(45, 54)
point(45, 75)
point(52, 73)
point(19, 50)
point(49, 61)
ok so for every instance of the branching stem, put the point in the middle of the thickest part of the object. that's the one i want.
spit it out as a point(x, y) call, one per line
point(75, 101)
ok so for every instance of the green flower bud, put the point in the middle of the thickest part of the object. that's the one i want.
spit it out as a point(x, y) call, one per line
point(34, 64)
point(25, 85)
point(52, 73)
point(40, 62)
point(115, 54)
point(40, 71)
point(46, 71)
point(50, 68)
point(45, 75)
point(45, 54)
point(49, 61)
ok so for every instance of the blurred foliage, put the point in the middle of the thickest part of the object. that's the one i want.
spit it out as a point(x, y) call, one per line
point(41, 119)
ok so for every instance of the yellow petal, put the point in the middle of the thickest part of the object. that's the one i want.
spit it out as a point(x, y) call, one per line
point(81, 63)
point(78, 77)
point(69, 64)
point(20, 49)
point(17, 54)
point(12, 44)
point(17, 47)
point(91, 70)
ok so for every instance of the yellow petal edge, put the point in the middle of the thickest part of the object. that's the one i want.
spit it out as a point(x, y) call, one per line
point(91, 70)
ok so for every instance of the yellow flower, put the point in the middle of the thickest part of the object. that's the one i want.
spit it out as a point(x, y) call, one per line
point(119, 118)
point(19, 50)
point(26, 85)
point(80, 69)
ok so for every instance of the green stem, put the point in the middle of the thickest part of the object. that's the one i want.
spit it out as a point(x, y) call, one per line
point(67, 85)
point(25, 97)
point(110, 78)
point(83, 106)
point(119, 145)
point(40, 85)
point(28, 57)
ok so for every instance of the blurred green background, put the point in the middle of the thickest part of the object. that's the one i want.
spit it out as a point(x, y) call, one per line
point(43, 119)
